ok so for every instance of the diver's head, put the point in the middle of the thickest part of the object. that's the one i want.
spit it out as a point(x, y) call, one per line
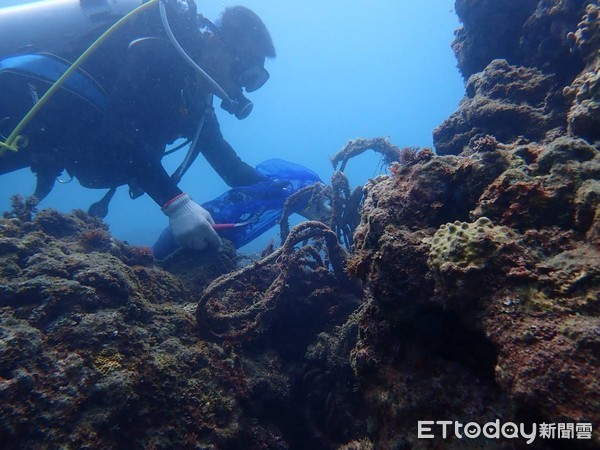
point(248, 43)
point(236, 54)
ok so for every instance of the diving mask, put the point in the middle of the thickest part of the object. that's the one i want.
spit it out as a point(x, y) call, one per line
point(253, 78)
point(250, 80)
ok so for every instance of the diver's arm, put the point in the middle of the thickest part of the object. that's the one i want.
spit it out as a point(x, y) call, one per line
point(190, 224)
point(156, 182)
point(223, 158)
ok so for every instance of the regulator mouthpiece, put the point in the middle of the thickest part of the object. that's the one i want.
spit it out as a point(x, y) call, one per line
point(240, 108)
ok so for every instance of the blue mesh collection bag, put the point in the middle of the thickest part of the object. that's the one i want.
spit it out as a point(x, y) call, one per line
point(244, 213)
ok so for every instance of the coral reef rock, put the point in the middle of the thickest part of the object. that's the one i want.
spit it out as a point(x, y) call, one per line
point(482, 314)
point(532, 78)
point(99, 346)
point(481, 267)
point(505, 101)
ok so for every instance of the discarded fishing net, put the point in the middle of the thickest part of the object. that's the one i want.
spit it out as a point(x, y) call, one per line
point(344, 206)
point(389, 152)
point(355, 147)
point(311, 197)
point(303, 282)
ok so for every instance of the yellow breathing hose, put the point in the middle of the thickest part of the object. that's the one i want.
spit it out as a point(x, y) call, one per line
point(15, 140)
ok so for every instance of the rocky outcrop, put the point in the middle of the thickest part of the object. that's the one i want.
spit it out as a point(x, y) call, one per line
point(480, 267)
point(100, 346)
point(530, 79)
point(531, 33)
point(493, 312)
point(505, 101)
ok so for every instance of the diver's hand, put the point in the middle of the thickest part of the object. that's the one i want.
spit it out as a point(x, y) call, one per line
point(190, 223)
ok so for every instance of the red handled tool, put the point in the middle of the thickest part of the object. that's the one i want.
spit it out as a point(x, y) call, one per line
point(227, 226)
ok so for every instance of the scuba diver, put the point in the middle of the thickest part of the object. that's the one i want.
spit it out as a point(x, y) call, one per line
point(103, 91)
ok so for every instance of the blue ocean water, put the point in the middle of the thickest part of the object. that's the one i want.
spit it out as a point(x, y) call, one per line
point(344, 69)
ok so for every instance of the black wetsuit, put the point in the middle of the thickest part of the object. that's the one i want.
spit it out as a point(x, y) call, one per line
point(154, 98)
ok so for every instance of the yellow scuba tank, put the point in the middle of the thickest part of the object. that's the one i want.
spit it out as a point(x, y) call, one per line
point(36, 26)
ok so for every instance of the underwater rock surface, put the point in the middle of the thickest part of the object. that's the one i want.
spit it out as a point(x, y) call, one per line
point(100, 347)
point(97, 343)
point(481, 267)
point(488, 311)
point(529, 65)
point(480, 294)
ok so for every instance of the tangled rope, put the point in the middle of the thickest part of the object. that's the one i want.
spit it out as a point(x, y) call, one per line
point(345, 208)
point(355, 147)
point(309, 195)
point(240, 306)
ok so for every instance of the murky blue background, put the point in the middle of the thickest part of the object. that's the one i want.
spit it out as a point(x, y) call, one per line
point(344, 69)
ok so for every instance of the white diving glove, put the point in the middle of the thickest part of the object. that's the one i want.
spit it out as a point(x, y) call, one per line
point(190, 223)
